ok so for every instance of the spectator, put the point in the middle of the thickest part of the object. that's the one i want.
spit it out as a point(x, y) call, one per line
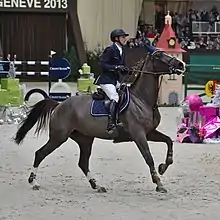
point(150, 33)
point(217, 40)
point(15, 57)
point(182, 25)
point(7, 65)
point(130, 43)
point(210, 43)
point(138, 34)
point(8, 57)
point(202, 43)
point(137, 42)
point(1, 64)
point(156, 38)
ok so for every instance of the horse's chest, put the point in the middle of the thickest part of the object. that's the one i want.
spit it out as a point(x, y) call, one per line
point(152, 120)
point(156, 118)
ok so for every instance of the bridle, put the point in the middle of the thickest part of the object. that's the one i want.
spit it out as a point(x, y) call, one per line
point(137, 70)
point(171, 69)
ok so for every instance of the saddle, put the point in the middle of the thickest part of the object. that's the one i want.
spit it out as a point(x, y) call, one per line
point(101, 95)
point(100, 103)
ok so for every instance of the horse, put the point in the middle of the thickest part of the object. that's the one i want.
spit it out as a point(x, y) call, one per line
point(76, 118)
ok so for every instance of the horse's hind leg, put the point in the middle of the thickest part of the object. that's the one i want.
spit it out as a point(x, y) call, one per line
point(85, 145)
point(48, 148)
point(157, 136)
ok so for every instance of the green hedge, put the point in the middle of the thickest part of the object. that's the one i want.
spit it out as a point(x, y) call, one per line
point(72, 57)
point(92, 61)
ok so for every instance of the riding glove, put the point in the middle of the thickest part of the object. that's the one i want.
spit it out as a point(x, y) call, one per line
point(122, 68)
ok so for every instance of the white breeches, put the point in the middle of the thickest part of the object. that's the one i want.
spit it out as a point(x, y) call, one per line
point(110, 91)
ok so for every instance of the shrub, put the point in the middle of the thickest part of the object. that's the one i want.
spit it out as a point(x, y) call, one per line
point(72, 57)
point(92, 61)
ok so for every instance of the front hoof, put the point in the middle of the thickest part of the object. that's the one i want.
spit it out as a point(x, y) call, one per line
point(162, 168)
point(102, 189)
point(161, 189)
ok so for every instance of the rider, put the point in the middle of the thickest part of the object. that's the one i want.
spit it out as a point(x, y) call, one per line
point(112, 61)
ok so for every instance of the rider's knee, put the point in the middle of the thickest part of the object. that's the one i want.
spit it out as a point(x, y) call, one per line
point(115, 97)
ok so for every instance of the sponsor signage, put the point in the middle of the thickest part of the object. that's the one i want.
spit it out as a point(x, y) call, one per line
point(59, 68)
point(34, 5)
point(59, 96)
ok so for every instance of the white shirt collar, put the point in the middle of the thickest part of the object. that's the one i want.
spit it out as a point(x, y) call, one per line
point(119, 48)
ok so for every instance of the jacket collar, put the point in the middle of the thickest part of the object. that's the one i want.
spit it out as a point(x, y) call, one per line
point(116, 48)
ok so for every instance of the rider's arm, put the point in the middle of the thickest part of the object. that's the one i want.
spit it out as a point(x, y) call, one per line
point(105, 60)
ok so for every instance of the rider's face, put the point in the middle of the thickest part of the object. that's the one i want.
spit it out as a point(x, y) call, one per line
point(122, 40)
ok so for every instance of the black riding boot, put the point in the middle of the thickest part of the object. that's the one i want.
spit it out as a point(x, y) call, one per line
point(112, 116)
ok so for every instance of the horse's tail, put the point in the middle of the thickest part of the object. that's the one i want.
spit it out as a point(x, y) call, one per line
point(40, 114)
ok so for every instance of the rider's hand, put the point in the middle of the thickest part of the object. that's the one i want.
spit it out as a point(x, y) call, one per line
point(120, 67)
point(126, 69)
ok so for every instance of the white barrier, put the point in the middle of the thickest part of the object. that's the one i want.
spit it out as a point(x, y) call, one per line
point(28, 63)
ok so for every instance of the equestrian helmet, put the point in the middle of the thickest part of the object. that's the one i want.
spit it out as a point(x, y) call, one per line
point(117, 33)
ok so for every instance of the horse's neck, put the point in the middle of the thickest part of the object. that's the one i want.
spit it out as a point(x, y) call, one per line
point(146, 89)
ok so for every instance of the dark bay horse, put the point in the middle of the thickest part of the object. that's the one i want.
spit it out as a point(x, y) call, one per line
point(72, 119)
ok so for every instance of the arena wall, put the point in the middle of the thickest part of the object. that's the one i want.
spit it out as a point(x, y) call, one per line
point(32, 28)
point(98, 17)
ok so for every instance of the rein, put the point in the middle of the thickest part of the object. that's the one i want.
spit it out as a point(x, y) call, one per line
point(147, 72)
point(158, 90)
point(153, 73)
point(142, 62)
point(135, 71)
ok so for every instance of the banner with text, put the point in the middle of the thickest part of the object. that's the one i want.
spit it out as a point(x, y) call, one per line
point(34, 5)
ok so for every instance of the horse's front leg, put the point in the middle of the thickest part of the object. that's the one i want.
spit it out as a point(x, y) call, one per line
point(139, 136)
point(157, 136)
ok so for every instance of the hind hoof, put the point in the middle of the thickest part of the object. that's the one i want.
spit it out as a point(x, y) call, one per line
point(36, 187)
point(161, 189)
point(162, 168)
point(31, 177)
point(102, 189)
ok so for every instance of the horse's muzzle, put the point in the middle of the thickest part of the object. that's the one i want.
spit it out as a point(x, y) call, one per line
point(181, 68)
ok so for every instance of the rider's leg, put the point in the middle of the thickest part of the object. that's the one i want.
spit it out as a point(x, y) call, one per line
point(118, 85)
point(112, 94)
